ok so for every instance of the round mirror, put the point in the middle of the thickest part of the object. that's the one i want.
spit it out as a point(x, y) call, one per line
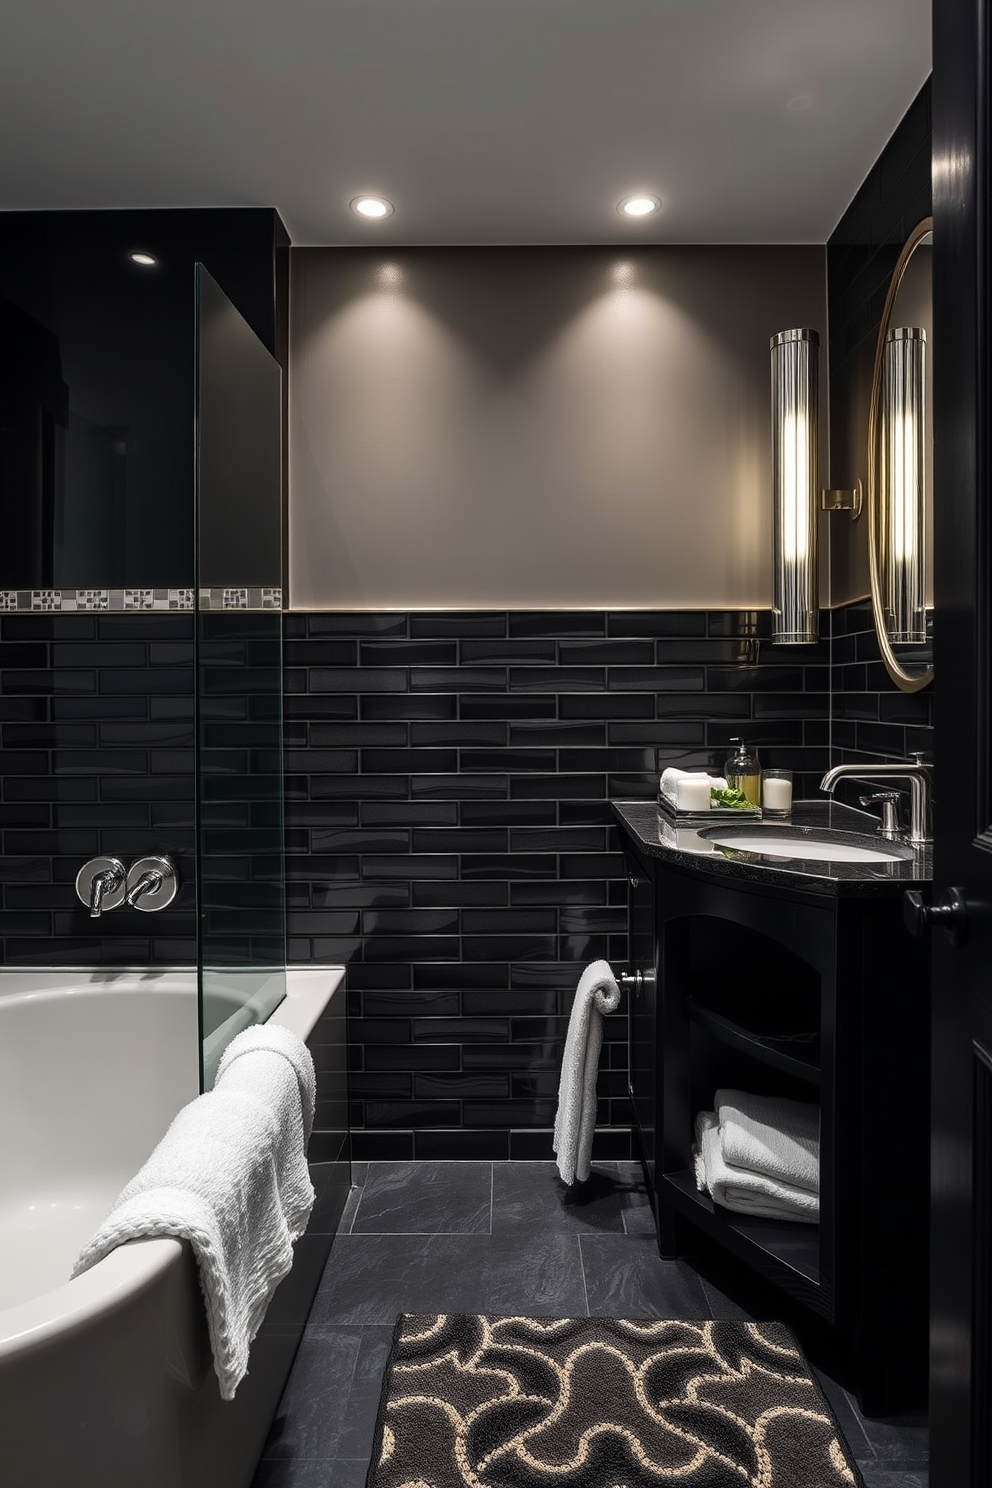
point(900, 468)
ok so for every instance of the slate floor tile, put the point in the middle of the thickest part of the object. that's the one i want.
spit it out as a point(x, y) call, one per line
point(884, 1475)
point(897, 1438)
point(540, 1276)
point(370, 1279)
point(348, 1473)
point(366, 1389)
point(725, 1308)
point(531, 1195)
point(847, 1413)
point(425, 1198)
point(635, 1205)
point(311, 1413)
point(297, 1473)
point(626, 1277)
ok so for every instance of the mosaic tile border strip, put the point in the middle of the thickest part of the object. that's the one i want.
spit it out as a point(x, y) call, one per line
point(217, 597)
point(69, 601)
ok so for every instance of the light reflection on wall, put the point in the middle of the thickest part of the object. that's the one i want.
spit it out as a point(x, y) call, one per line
point(538, 428)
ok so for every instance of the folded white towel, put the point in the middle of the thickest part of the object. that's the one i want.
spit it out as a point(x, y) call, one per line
point(771, 1135)
point(740, 1189)
point(670, 781)
point(575, 1122)
point(230, 1176)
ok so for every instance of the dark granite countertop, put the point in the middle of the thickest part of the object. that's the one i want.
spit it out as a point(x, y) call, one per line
point(685, 845)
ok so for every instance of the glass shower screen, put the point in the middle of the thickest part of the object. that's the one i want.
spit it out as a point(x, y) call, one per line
point(241, 910)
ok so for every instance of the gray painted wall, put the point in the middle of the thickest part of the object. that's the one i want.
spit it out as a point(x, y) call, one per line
point(539, 428)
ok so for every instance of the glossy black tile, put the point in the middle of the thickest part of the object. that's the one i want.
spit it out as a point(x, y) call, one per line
point(449, 893)
point(315, 652)
point(614, 652)
point(457, 787)
point(557, 679)
point(584, 623)
point(656, 623)
point(458, 679)
point(517, 707)
point(357, 624)
point(407, 706)
point(413, 1057)
point(408, 653)
point(458, 626)
point(465, 974)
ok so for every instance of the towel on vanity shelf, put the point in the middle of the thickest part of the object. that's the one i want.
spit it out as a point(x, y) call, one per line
point(230, 1176)
point(670, 778)
point(575, 1122)
point(742, 1190)
point(771, 1135)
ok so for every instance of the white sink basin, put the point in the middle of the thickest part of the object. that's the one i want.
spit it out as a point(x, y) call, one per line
point(831, 847)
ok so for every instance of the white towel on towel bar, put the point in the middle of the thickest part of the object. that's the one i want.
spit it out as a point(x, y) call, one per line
point(772, 1135)
point(741, 1189)
point(575, 1122)
point(230, 1176)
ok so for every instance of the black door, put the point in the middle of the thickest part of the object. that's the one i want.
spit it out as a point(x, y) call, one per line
point(961, 1376)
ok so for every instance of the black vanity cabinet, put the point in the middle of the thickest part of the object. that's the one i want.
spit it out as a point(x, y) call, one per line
point(802, 982)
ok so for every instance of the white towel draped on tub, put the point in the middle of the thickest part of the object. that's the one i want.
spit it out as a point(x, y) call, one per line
point(575, 1123)
point(230, 1176)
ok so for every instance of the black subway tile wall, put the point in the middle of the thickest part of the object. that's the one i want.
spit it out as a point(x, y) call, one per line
point(450, 838)
point(242, 909)
point(872, 718)
point(97, 734)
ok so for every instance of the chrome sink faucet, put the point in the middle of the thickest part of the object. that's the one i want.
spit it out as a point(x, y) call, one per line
point(916, 772)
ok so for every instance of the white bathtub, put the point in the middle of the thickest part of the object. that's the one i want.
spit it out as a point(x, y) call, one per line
point(106, 1380)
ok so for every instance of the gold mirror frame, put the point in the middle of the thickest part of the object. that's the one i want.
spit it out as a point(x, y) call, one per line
point(907, 681)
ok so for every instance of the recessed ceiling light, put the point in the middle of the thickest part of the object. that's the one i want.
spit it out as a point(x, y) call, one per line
point(372, 206)
point(146, 260)
point(641, 205)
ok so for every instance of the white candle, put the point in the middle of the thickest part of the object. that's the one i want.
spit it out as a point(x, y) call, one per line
point(694, 795)
point(777, 793)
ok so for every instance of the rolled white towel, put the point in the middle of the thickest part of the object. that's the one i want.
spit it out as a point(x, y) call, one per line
point(670, 778)
point(771, 1135)
point(744, 1191)
point(575, 1121)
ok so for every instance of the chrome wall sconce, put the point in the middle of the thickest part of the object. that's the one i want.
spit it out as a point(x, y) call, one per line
point(795, 605)
point(900, 534)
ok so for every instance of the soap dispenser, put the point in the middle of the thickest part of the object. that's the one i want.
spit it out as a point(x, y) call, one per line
point(743, 773)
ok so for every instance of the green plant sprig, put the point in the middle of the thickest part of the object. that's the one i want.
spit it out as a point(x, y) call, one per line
point(732, 796)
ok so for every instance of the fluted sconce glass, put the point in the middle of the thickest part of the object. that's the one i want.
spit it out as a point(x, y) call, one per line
point(902, 481)
point(794, 445)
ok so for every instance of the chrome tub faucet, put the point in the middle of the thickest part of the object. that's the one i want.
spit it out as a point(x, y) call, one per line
point(149, 884)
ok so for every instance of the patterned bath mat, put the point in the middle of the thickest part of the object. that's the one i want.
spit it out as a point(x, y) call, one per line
point(516, 1402)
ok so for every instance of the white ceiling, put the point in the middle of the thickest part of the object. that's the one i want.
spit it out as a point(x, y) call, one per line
point(483, 121)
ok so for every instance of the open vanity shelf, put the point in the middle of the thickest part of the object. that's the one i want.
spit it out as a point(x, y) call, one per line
point(802, 985)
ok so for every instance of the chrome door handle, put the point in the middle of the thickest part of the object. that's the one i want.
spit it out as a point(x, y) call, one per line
point(950, 913)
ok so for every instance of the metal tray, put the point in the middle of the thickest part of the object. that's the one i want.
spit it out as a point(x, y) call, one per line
point(715, 813)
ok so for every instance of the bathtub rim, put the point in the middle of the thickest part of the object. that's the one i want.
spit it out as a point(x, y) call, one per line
point(135, 1265)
